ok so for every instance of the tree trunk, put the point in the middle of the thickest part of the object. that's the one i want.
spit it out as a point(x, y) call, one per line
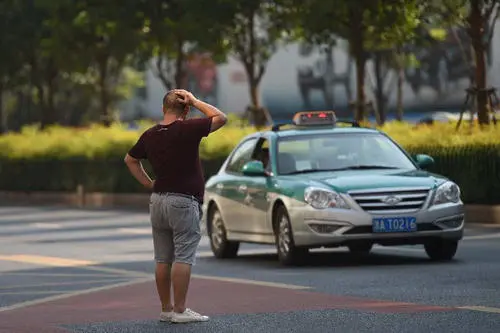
point(160, 74)
point(179, 65)
point(379, 89)
point(360, 88)
point(253, 75)
point(40, 92)
point(356, 42)
point(399, 92)
point(254, 94)
point(3, 120)
point(104, 96)
point(51, 116)
point(476, 32)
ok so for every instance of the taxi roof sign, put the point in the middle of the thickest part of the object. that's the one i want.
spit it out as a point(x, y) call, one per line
point(314, 118)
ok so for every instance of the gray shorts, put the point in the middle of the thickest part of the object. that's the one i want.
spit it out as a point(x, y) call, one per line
point(175, 219)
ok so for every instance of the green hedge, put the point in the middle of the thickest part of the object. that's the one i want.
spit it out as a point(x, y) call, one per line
point(60, 159)
point(99, 175)
point(476, 169)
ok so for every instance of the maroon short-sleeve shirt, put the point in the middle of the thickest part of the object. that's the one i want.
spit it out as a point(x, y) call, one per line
point(173, 152)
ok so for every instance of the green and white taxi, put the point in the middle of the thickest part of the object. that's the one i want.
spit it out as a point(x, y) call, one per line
point(317, 184)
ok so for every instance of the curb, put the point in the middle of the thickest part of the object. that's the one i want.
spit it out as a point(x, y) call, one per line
point(475, 214)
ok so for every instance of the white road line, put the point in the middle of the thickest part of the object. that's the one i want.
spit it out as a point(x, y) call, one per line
point(115, 270)
point(58, 274)
point(137, 231)
point(47, 225)
point(487, 236)
point(480, 308)
point(60, 283)
point(248, 281)
point(31, 292)
point(77, 293)
point(208, 254)
point(137, 281)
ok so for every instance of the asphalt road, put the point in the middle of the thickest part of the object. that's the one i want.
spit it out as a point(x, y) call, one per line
point(69, 270)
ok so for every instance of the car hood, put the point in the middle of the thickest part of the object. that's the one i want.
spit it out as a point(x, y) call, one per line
point(344, 181)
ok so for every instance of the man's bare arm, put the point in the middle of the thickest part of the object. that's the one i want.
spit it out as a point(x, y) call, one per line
point(219, 119)
point(137, 170)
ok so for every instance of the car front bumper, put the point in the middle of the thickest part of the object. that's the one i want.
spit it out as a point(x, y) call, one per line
point(336, 227)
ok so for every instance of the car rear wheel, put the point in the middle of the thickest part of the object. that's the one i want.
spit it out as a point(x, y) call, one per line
point(288, 253)
point(220, 245)
point(441, 249)
point(360, 248)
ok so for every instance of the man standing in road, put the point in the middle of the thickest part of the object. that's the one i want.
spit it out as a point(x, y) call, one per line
point(172, 148)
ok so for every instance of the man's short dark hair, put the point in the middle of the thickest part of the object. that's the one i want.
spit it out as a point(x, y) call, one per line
point(171, 104)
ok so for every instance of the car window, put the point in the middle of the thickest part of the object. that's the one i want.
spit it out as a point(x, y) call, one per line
point(261, 153)
point(242, 155)
point(337, 151)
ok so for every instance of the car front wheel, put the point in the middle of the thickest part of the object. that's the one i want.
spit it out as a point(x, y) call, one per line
point(288, 253)
point(220, 245)
point(441, 249)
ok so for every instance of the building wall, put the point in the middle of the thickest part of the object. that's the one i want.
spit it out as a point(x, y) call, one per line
point(300, 77)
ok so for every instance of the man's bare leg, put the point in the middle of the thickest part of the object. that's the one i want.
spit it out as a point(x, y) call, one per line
point(181, 275)
point(163, 285)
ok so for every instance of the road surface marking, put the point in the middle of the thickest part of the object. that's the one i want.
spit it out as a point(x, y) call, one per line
point(47, 225)
point(248, 281)
point(208, 254)
point(31, 292)
point(136, 231)
point(480, 308)
point(46, 261)
point(142, 280)
point(60, 284)
point(487, 236)
point(71, 294)
point(122, 272)
point(63, 262)
point(59, 274)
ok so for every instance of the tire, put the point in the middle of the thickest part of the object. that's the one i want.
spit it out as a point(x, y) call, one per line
point(288, 253)
point(441, 249)
point(360, 248)
point(220, 245)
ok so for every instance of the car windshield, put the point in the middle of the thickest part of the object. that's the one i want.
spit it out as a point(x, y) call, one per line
point(336, 152)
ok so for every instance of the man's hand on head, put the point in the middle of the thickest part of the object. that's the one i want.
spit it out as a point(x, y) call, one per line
point(185, 97)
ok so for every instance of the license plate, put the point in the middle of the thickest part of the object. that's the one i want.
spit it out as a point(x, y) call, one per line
point(394, 224)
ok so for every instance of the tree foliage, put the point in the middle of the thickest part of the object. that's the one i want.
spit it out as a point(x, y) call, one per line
point(67, 62)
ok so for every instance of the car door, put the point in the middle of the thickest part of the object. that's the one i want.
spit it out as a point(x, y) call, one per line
point(236, 210)
point(257, 198)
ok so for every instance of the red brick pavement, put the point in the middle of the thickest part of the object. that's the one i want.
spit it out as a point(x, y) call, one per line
point(211, 297)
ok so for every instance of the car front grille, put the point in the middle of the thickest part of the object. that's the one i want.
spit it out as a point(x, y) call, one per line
point(385, 201)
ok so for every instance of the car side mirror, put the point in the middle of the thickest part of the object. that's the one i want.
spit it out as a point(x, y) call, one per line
point(424, 161)
point(254, 168)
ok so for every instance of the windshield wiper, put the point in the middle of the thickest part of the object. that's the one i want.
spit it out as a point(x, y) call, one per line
point(364, 167)
point(353, 167)
point(307, 171)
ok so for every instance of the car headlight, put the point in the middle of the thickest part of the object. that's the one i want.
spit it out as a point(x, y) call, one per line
point(321, 198)
point(446, 193)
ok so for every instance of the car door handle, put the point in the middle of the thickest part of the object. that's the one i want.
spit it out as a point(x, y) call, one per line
point(242, 188)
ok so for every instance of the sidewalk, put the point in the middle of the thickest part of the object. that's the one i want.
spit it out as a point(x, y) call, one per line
point(481, 214)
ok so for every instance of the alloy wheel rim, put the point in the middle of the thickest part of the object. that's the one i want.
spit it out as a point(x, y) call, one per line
point(284, 236)
point(217, 233)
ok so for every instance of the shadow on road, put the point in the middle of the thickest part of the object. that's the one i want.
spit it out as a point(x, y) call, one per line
point(330, 259)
